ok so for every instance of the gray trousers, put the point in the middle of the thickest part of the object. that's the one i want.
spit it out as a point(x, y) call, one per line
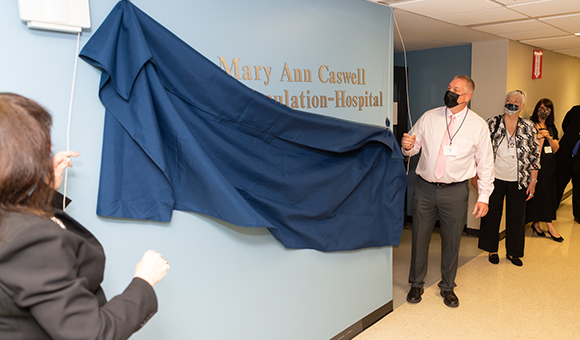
point(449, 205)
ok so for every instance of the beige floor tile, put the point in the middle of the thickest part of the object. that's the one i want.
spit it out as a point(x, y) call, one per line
point(537, 301)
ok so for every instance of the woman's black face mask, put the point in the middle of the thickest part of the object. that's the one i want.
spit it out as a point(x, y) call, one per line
point(510, 109)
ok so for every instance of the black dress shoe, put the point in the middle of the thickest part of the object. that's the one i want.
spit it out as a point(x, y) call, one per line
point(414, 295)
point(557, 239)
point(539, 233)
point(494, 258)
point(515, 260)
point(449, 298)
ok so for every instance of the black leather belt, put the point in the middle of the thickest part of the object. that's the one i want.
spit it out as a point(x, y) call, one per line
point(442, 185)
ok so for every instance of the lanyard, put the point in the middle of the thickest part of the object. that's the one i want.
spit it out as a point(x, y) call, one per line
point(456, 131)
point(511, 141)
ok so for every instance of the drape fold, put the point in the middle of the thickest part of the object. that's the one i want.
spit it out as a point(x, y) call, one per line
point(182, 134)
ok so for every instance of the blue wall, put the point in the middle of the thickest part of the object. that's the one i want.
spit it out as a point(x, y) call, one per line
point(225, 282)
point(430, 71)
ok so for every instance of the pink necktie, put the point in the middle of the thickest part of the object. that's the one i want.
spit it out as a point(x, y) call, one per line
point(441, 158)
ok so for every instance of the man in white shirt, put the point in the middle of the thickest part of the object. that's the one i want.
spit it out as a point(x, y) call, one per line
point(455, 147)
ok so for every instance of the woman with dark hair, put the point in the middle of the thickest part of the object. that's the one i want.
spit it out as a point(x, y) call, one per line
point(61, 160)
point(52, 267)
point(542, 207)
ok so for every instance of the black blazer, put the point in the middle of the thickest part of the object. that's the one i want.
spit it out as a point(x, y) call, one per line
point(571, 135)
point(50, 284)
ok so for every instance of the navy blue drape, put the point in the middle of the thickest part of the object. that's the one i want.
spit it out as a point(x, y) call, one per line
point(182, 134)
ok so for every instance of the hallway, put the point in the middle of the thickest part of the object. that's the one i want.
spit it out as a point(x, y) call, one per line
point(537, 301)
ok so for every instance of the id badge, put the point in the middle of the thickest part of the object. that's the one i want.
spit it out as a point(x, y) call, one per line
point(511, 151)
point(450, 150)
point(548, 149)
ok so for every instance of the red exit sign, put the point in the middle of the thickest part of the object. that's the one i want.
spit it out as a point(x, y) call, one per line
point(537, 64)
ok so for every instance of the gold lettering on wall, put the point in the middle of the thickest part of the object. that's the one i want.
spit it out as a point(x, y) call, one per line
point(332, 77)
point(300, 75)
point(235, 68)
point(305, 99)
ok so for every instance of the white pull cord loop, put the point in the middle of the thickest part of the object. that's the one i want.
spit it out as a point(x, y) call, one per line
point(69, 118)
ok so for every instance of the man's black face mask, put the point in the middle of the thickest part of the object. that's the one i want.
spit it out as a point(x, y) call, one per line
point(450, 99)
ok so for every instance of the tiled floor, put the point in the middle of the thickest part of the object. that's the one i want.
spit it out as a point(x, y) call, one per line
point(540, 300)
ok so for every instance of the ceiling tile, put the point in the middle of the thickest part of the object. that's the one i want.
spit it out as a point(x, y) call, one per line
point(554, 43)
point(517, 2)
point(574, 52)
point(569, 23)
point(435, 8)
point(545, 33)
point(481, 17)
point(548, 24)
point(511, 27)
point(420, 33)
point(546, 8)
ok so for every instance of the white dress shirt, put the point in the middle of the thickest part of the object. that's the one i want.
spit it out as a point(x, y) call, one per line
point(474, 149)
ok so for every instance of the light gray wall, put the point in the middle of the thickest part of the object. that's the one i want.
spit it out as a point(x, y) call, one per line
point(489, 64)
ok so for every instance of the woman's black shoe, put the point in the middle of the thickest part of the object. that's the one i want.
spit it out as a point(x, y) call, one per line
point(515, 260)
point(557, 239)
point(494, 258)
point(539, 233)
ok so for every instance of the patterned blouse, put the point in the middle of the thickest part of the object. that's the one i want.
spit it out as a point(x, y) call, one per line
point(527, 146)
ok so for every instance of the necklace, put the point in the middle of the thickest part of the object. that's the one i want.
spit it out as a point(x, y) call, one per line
point(57, 222)
point(511, 138)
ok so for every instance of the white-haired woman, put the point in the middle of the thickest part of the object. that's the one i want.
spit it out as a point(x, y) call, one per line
point(517, 161)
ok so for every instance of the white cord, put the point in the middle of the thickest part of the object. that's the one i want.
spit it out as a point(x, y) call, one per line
point(69, 118)
point(406, 71)
point(406, 79)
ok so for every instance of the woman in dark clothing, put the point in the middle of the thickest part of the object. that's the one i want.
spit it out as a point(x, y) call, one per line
point(51, 266)
point(542, 207)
